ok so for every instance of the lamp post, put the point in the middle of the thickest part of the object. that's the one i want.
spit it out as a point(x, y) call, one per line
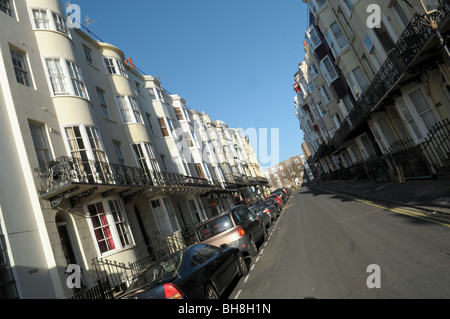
point(431, 13)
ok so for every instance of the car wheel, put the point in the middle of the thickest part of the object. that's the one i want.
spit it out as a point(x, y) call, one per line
point(242, 265)
point(210, 292)
point(253, 249)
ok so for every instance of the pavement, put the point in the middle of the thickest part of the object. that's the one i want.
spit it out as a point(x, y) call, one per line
point(428, 195)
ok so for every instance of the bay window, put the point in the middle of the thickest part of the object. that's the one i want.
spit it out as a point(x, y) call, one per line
point(78, 85)
point(313, 37)
point(65, 78)
point(41, 19)
point(129, 109)
point(328, 70)
point(114, 66)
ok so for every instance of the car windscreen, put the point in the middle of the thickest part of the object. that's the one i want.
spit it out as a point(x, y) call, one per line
point(159, 270)
point(214, 227)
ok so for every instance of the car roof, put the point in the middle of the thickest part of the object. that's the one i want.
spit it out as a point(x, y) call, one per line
point(218, 216)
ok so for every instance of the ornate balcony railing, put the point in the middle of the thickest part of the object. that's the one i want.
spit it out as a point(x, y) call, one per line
point(410, 44)
point(65, 171)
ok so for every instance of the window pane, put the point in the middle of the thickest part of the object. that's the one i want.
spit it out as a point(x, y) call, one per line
point(57, 77)
point(40, 144)
point(20, 70)
point(41, 20)
point(118, 214)
point(423, 108)
point(101, 228)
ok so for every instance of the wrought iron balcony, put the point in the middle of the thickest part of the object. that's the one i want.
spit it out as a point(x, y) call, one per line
point(66, 176)
point(416, 36)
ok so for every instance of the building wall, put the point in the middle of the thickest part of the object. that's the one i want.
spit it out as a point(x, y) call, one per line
point(36, 215)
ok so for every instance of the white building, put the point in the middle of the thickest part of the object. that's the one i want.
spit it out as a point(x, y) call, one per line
point(92, 167)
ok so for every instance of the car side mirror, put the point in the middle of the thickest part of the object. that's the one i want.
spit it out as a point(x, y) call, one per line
point(224, 246)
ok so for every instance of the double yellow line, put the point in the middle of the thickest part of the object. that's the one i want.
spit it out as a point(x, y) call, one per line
point(434, 219)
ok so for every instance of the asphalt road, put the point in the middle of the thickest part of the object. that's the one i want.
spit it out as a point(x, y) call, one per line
point(323, 244)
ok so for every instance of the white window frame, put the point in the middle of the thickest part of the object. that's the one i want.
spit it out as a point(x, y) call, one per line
point(85, 138)
point(314, 70)
point(114, 66)
point(41, 18)
point(23, 69)
point(327, 98)
point(129, 109)
point(379, 134)
point(54, 21)
point(59, 23)
point(312, 29)
point(77, 80)
point(323, 110)
point(417, 119)
point(363, 148)
point(40, 141)
point(328, 76)
point(65, 79)
point(147, 155)
point(111, 224)
point(103, 104)
point(357, 88)
point(331, 36)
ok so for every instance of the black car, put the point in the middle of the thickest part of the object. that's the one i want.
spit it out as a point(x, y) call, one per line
point(269, 208)
point(262, 215)
point(200, 271)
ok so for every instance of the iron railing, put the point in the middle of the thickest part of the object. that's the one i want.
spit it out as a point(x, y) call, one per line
point(113, 277)
point(67, 170)
point(411, 42)
point(429, 159)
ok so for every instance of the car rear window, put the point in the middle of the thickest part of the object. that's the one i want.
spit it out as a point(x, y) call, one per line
point(262, 205)
point(214, 227)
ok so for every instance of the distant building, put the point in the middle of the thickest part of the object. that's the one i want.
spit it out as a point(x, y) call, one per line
point(288, 173)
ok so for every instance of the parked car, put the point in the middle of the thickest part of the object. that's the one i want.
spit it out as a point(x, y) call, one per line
point(270, 208)
point(282, 195)
point(288, 191)
point(237, 227)
point(200, 271)
point(277, 199)
point(272, 201)
point(262, 215)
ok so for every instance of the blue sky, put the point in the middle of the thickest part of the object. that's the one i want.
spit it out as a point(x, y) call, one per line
point(234, 59)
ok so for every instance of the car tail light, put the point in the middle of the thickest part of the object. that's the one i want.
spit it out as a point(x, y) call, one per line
point(172, 292)
point(267, 211)
point(240, 231)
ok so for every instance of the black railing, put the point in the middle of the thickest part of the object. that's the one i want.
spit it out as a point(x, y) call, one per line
point(428, 159)
point(101, 290)
point(114, 277)
point(409, 45)
point(436, 148)
point(67, 170)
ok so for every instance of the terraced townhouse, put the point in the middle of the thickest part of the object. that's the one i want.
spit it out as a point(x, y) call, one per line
point(385, 101)
point(101, 167)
